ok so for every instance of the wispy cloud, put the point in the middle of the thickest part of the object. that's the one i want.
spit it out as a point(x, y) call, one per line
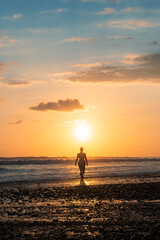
point(128, 37)
point(17, 122)
point(68, 105)
point(87, 65)
point(12, 40)
point(35, 30)
point(107, 11)
point(63, 74)
point(13, 62)
point(18, 82)
point(130, 58)
point(133, 68)
point(65, 124)
point(59, 10)
point(13, 17)
point(6, 41)
point(15, 82)
point(113, 37)
point(2, 39)
point(118, 37)
point(101, 1)
point(3, 66)
point(43, 30)
point(72, 123)
point(154, 43)
point(78, 39)
point(130, 9)
point(140, 10)
point(17, 16)
point(130, 24)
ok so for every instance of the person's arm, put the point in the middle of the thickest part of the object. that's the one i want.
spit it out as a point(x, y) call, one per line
point(86, 160)
point(76, 160)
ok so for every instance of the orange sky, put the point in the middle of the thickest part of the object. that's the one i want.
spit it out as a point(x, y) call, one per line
point(124, 121)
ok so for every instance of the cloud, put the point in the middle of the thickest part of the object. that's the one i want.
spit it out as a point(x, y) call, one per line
point(113, 37)
point(17, 16)
point(130, 24)
point(3, 66)
point(43, 30)
point(59, 10)
point(18, 82)
point(62, 75)
point(87, 65)
point(72, 123)
point(128, 37)
point(134, 68)
point(14, 82)
point(2, 39)
point(130, 58)
point(17, 122)
point(140, 10)
point(101, 1)
point(6, 41)
point(12, 40)
point(13, 17)
point(68, 105)
point(118, 37)
point(130, 9)
point(107, 11)
point(78, 39)
point(65, 124)
point(16, 63)
point(154, 43)
point(35, 30)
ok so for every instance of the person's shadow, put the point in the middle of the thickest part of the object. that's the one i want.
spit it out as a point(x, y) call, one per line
point(82, 182)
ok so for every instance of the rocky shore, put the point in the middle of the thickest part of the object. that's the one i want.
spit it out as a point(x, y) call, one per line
point(123, 210)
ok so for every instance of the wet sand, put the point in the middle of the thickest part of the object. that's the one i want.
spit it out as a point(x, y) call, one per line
point(124, 207)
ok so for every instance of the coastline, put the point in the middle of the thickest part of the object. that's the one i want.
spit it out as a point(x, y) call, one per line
point(119, 207)
point(99, 180)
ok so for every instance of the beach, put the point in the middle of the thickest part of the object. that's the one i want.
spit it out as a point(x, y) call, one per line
point(117, 207)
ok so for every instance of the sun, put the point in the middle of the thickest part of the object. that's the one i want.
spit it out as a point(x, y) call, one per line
point(82, 131)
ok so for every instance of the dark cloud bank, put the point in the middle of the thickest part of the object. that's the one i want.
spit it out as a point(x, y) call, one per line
point(67, 105)
point(144, 68)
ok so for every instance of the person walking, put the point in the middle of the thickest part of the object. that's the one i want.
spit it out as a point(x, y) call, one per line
point(82, 161)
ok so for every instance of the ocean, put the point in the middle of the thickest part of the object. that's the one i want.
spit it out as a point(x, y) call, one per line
point(28, 169)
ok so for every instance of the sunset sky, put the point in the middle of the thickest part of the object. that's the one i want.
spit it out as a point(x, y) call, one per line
point(66, 63)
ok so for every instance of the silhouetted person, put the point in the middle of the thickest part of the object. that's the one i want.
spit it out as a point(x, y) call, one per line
point(82, 161)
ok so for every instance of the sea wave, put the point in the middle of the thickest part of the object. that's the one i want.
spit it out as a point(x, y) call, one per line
point(32, 162)
point(38, 169)
point(46, 161)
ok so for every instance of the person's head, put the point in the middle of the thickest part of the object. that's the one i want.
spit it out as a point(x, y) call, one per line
point(81, 149)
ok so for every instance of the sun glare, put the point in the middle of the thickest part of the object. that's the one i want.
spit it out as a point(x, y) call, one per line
point(82, 131)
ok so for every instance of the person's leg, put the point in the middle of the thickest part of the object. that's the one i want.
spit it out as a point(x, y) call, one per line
point(80, 171)
point(83, 170)
point(81, 174)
